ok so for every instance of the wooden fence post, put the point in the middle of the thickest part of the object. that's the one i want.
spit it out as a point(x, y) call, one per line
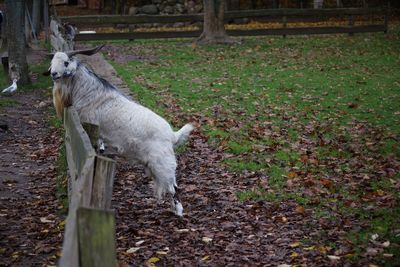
point(284, 22)
point(103, 181)
point(89, 233)
point(351, 24)
point(46, 20)
point(96, 231)
point(80, 157)
point(386, 19)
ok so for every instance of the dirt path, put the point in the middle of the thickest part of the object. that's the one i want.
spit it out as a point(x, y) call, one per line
point(29, 224)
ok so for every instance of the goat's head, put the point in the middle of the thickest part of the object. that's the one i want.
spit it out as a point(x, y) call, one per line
point(64, 64)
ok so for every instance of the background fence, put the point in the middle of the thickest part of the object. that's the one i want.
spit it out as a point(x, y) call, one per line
point(282, 15)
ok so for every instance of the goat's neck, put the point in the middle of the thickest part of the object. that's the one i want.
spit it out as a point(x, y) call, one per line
point(80, 87)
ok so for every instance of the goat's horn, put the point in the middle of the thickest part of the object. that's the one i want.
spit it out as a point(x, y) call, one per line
point(87, 52)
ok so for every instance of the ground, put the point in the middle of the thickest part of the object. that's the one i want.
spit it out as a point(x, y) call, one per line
point(220, 226)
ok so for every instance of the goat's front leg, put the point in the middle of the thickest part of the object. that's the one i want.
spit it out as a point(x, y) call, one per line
point(101, 146)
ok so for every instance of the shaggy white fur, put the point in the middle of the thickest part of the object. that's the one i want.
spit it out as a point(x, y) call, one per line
point(134, 131)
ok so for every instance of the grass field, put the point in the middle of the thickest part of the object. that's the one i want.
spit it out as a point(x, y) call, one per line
point(319, 115)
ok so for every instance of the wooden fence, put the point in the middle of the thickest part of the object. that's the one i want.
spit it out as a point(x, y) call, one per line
point(283, 14)
point(89, 238)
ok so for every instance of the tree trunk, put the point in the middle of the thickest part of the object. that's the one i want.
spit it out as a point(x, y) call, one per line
point(18, 66)
point(36, 15)
point(213, 27)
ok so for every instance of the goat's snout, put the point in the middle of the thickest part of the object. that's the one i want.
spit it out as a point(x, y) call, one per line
point(54, 75)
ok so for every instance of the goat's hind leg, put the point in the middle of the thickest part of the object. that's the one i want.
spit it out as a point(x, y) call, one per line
point(176, 204)
point(165, 183)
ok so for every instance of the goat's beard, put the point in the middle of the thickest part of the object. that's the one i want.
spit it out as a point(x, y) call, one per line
point(61, 99)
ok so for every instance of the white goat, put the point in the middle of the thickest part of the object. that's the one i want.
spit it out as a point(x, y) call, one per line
point(135, 132)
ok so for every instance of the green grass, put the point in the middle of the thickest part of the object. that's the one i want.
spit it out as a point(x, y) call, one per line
point(313, 107)
point(62, 168)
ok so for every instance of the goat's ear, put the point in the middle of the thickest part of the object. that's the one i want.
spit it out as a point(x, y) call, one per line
point(47, 73)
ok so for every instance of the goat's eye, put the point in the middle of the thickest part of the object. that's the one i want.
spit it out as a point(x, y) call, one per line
point(66, 63)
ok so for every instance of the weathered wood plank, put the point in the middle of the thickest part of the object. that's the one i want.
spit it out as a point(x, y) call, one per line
point(192, 34)
point(137, 19)
point(96, 231)
point(103, 181)
point(76, 139)
point(136, 35)
point(290, 12)
point(81, 159)
point(80, 196)
point(300, 31)
point(293, 12)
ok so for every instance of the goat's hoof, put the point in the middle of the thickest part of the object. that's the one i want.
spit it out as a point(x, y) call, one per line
point(178, 209)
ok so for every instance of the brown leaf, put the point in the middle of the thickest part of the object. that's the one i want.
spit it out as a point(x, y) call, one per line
point(300, 209)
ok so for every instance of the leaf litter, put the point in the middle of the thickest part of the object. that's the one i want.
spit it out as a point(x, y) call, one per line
point(252, 231)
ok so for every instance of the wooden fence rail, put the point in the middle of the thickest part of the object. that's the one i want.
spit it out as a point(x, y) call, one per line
point(101, 20)
point(284, 14)
point(89, 238)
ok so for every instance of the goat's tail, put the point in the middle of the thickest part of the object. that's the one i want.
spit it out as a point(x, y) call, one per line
point(183, 134)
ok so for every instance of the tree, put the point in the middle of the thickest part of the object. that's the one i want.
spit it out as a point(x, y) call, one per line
point(213, 27)
point(36, 15)
point(18, 66)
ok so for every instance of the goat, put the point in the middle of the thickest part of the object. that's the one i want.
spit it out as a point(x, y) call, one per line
point(132, 130)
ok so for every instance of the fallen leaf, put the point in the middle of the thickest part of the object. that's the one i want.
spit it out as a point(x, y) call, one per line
point(374, 237)
point(206, 239)
point(380, 192)
point(300, 209)
point(132, 250)
point(352, 105)
point(326, 183)
point(183, 230)
point(295, 244)
point(138, 243)
point(163, 252)
point(153, 260)
point(323, 249)
point(45, 220)
point(205, 258)
point(372, 251)
point(280, 218)
point(333, 257)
